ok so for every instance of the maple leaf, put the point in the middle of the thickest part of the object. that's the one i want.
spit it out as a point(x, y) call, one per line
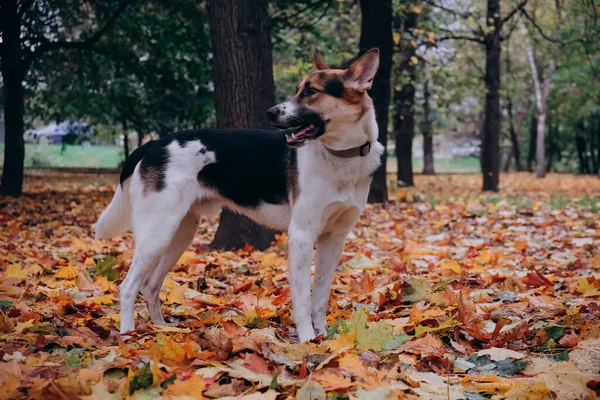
point(190, 388)
point(141, 379)
point(104, 266)
point(367, 336)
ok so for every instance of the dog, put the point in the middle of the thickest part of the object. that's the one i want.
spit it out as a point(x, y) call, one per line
point(312, 180)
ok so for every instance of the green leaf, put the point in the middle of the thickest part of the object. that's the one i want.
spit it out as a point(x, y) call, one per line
point(564, 356)
point(555, 332)
point(274, 385)
point(449, 323)
point(397, 341)
point(73, 361)
point(418, 291)
point(168, 381)
point(142, 379)
point(105, 267)
point(509, 367)
point(367, 337)
point(5, 303)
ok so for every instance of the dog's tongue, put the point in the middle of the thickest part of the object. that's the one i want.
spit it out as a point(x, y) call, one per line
point(302, 131)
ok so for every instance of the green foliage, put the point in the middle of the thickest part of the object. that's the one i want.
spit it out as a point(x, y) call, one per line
point(105, 266)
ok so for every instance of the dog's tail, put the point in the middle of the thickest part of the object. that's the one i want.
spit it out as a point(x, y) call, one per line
point(116, 219)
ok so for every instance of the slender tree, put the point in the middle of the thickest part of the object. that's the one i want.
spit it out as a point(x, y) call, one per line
point(404, 95)
point(29, 31)
point(244, 90)
point(427, 130)
point(491, 38)
point(376, 31)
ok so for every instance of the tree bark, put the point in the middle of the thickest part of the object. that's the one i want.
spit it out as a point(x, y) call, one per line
point(542, 89)
point(376, 31)
point(244, 90)
point(532, 142)
point(490, 152)
point(125, 138)
point(428, 160)
point(583, 163)
point(14, 100)
point(404, 99)
point(552, 135)
point(514, 139)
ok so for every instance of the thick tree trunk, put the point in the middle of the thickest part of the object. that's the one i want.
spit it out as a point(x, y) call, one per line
point(244, 90)
point(490, 152)
point(404, 100)
point(532, 142)
point(428, 160)
point(14, 100)
point(376, 31)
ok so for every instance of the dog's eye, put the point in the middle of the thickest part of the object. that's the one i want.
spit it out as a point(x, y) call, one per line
point(309, 91)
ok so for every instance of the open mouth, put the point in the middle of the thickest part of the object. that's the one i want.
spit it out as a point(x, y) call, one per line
point(301, 135)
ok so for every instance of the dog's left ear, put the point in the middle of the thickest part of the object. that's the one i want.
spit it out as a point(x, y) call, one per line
point(319, 61)
point(360, 75)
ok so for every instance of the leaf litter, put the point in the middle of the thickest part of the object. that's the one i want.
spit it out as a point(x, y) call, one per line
point(443, 293)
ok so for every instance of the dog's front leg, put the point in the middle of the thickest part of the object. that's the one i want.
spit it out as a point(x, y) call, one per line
point(329, 250)
point(301, 243)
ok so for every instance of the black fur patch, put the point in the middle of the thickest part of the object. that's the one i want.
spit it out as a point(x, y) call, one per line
point(334, 87)
point(252, 166)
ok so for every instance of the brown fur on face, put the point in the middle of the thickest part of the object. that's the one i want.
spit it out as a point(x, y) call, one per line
point(332, 99)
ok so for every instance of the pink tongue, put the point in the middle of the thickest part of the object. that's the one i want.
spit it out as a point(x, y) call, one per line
point(302, 131)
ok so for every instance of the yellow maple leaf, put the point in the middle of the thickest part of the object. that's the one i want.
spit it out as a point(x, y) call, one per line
point(417, 9)
point(177, 295)
point(586, 288)
point(68, 272)
point(451, 265)
point(16, 271)
point(107, 299)
point(189, 389)
point(343, 341)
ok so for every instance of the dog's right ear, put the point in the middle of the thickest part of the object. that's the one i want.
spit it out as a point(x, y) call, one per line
point(360, 75)
point(319, 61)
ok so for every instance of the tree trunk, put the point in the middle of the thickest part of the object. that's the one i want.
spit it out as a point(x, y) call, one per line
point(376, 31)
point(404, 99)
point(593, 143)
point(125, 139)
point(490, 152)
point(244, 90)
point(580, 145)
point(540, 147)
point(14, 100)
point(552, 135)
point(514, 139)
point(428, 161)
point(532, 142)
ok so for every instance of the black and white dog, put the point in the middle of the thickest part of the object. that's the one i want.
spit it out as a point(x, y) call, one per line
point(312, 180)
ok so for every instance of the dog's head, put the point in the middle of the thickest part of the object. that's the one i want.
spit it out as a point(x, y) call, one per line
point(328, 102)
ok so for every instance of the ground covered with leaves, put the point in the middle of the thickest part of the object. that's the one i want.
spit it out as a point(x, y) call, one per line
point(443, 293)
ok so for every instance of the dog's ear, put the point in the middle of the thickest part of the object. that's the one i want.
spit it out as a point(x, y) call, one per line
point(319, 61)
point(360, 74)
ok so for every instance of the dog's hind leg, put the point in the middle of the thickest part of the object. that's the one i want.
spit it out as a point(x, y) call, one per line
point(155, 223)
point(150, 289)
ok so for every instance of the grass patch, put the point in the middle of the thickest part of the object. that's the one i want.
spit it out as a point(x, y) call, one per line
point(75, 156)
point(459, 165)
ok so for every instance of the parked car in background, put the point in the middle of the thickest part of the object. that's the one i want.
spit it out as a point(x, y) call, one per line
point(467, 148)
point(67, 132)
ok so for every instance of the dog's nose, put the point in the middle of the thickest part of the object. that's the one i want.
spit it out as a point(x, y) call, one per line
point(273, 113)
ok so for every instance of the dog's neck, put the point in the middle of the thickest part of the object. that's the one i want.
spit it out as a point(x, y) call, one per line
point(349, 136)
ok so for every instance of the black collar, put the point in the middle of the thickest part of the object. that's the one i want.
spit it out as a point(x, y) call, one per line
point(349, 153)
